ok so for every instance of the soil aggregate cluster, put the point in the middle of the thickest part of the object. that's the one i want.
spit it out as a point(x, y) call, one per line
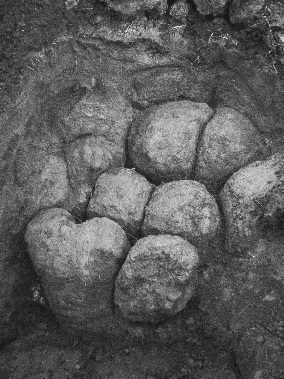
point(142, 194)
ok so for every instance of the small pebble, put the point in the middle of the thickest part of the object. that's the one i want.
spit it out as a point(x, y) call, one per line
point(190, 321)
point(260, 338)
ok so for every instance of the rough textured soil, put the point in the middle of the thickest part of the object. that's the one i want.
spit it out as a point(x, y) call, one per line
point(38, 348)
point(27, 27)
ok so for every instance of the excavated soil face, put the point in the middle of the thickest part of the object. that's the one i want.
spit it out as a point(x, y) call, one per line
point(137, 129)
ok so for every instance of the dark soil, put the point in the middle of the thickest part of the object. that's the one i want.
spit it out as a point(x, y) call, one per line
point(27, 26)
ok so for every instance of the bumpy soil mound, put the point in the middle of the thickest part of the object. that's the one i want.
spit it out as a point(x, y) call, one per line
point(157, 279)
point(142, 174)
point(77, 265)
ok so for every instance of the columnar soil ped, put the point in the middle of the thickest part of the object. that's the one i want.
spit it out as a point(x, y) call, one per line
point(142, 182)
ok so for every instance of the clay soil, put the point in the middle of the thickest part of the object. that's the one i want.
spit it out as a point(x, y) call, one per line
point(27, 26)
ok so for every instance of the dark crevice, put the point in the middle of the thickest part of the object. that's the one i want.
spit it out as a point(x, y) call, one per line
point(190, 2)
point(235, 365)
point(170, 3)
point(214, 98)
point(144, 210)
point(226, 14)
point(270, 225)
point(128, 161)
point(210, 17)
point(193, 5)
point(197, 149)
point(88, 199)
point(81, 137)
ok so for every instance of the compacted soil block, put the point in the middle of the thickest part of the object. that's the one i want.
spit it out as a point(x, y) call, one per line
point(77, 265)
point(157, 279)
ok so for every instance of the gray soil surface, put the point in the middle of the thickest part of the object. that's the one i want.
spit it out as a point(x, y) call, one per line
point(223, 332)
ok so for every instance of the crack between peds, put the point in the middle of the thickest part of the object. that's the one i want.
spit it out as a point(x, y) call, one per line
point(197, 149)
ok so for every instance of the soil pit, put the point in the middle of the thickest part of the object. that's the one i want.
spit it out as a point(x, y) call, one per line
point(152, 106)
